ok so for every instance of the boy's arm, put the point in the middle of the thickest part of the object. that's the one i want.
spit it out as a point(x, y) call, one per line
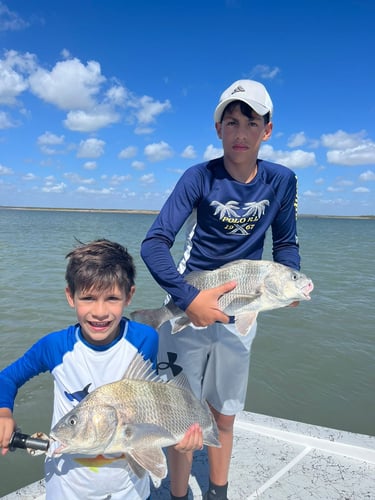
point(7, 427)
point(285, 248)
point(156, 247)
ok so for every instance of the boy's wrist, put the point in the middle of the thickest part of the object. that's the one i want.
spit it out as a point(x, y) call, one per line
point(6, 412)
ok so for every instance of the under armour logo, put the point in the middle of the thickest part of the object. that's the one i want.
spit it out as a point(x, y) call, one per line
point(175, 369)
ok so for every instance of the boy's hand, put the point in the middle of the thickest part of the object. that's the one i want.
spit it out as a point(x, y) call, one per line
point(193, 440)
point(7, 427)
point(204, 310)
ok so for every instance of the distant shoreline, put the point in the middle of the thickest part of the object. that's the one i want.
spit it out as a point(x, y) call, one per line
point(104, 210)
point(155, 212)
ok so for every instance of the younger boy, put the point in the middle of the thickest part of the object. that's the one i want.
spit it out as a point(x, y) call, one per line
point(97, 350)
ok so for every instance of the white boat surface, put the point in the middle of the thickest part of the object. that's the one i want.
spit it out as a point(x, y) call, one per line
point(279, 459)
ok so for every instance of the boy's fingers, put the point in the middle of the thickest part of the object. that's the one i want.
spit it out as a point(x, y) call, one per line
point(226, 287)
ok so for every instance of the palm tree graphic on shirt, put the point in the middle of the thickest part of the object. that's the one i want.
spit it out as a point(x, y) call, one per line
point(231, 208)
point(255, 208)
point(227, 210)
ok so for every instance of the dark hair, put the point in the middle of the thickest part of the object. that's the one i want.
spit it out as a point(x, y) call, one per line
point(245, 110)
point(101, 264)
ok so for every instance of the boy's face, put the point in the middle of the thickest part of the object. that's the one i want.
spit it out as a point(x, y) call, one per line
point(242, 136)
point(99, 313)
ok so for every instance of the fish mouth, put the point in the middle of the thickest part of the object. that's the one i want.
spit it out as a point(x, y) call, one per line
point(60, 449)
point(307, 289)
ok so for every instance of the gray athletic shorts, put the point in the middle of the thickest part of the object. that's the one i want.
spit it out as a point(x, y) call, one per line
point(215, 360)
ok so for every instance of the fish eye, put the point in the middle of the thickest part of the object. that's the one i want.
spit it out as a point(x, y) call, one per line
point(72, 421)
point(294, 276)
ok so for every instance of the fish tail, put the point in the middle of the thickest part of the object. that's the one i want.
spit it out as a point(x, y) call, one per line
point(211, 438)
point(152, 317)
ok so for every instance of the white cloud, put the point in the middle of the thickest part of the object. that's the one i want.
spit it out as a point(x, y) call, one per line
point(10, 20)
point(128, 152)
point(344, 183)
point(103, 191)
point(90, 165)
point(158, 151)
point(91, 148)
point(50, 139)
point(342, 140)
point(189, 152)
point(149, 109)
point(54, 188)
point(29, 177)
point(116, 95)
point(77, 179)
point(211, 152)
point(369, 175)
point(349, 149)
point(264, 71)
point(363, 154)
point(138, 165)
point(292, 159)
point(5, 170)
point(69, 85)
point(143, 130)
point(147, 179)
point(361, 190)
point(5, 120)
point(311, 194)
point(297, 140)
point(14, 69)
point(47, 140)
point(118, 179)
point(90, 121)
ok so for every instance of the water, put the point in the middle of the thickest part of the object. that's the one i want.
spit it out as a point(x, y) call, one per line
point(313, 363)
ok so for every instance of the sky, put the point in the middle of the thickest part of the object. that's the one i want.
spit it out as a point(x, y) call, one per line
point(105, 103)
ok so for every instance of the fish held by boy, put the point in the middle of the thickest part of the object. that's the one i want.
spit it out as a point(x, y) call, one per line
point(135, 417)
point(261, 285)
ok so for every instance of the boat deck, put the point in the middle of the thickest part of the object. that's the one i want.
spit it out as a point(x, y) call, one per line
point(280, 459)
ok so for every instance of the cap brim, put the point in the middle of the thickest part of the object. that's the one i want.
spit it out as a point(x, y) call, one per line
point(256, 106)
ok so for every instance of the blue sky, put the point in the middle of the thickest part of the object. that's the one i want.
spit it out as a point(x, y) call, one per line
point(104, 103)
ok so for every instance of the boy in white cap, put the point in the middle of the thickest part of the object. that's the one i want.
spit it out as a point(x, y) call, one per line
point(229, 203)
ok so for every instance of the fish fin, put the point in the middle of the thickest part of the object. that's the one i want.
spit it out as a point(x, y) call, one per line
point(181, 381)
point(245, 321)
point(137, 469)
point(147, 435)
point(151, 459)
point(141, 369)
point(180, 324)
point(211, 435)
point(211, 438)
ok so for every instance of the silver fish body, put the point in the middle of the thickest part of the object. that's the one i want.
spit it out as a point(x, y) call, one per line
point(261, 285)
point(136, 416)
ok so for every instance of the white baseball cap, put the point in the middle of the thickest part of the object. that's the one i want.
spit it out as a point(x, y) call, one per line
point(252, 93)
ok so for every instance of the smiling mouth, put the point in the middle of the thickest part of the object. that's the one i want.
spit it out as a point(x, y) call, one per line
point(99, 324)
